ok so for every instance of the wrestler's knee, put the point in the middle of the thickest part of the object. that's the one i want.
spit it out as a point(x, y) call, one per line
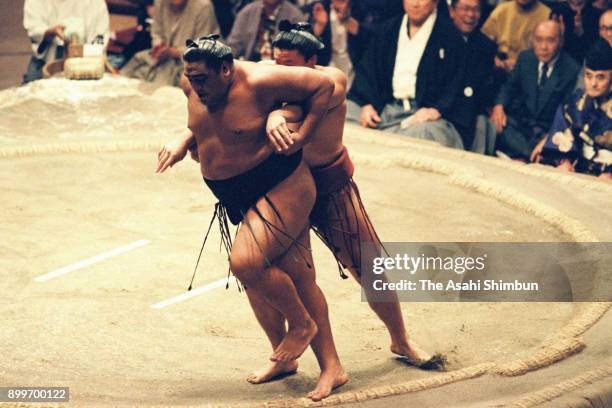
point(247, 269)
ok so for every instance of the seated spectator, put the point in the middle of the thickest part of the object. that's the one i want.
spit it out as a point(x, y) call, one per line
point(605, 26)
point(410, 76)
point(257, 24)
point(174, 21)
point(340, 26)
point(376, 11)
point(127, 42)
point(541, 80)
point(50, 23)
point(477, 95)
point(580, 138)
point(226, 11)
point(579, 20)
point(510, 25)
point(602, 5)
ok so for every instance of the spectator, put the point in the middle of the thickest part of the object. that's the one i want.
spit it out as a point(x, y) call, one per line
point(257, 24)
point(174, 21)
point(580, 138)
point(510, 25)
point(542, 79)
point(377, 11)
point(127, 42)
point(410, 76)
point(340, 26)
point(579, 19)
point(226, 11)
point(602, 5)
point(49, 24)
point(605, 26)
point(477, 132)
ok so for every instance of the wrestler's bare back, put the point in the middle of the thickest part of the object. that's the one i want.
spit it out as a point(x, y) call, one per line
point(326, 143)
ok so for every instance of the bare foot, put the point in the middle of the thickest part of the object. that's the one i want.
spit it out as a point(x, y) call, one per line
point(414, 355)
point(329, 380)
point(272, 372)
point(295, 342)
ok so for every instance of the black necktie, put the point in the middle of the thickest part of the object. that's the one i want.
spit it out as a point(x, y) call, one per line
point(543, 75)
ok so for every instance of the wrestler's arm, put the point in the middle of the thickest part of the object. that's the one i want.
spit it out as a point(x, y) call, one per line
point(175, 151)
point(277, 129)
point(308, 87)
point(283, 122)
point(340, 85)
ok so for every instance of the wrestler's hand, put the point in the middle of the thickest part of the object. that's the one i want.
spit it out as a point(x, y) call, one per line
point(298, 143)
point(369, 117)
point(498, 117)
point(170, 154)
point(278, 133)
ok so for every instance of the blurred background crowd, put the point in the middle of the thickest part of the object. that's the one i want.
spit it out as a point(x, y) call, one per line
point(524, 80)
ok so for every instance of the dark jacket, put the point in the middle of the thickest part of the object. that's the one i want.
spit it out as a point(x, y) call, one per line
point(478, 90)
point(576, 45)
point(520, 95)
point(439, 76)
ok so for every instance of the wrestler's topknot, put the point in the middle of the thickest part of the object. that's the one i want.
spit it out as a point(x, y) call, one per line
point(297, 36)
point(209, 50)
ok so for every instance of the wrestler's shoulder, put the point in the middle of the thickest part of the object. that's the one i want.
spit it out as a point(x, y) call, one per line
point(263, 75)
point(334, 73)
point(252, 72)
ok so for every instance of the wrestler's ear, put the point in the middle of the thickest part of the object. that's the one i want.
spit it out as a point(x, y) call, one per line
point(225, 68)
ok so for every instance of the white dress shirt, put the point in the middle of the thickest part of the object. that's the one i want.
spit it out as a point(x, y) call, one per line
point(408, 57)
point(87, 18)
point(551, 66)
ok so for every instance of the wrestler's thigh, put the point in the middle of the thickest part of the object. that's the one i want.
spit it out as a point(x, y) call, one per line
point(286, 208)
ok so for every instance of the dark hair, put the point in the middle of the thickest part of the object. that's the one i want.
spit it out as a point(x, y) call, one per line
point(209, 50)
point(599, 56)
point(454, 3)
point(299, 37)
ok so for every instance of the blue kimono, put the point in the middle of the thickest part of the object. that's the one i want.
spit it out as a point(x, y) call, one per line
point(581, 133)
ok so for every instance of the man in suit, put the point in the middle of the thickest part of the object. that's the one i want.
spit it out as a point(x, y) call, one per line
point(257, 24)
point(544, 76)
point(476, 95)
point(410, 76)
